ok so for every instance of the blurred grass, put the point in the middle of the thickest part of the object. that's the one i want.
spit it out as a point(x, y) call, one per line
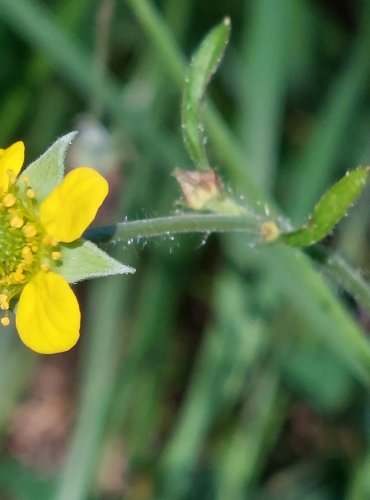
point(222, 371)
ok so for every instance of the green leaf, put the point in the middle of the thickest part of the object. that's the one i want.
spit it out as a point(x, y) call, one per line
point(47, 172)
point(330, 210)
point(203, 64)
point(83, 260)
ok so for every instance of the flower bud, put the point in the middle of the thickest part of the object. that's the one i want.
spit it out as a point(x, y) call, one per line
point(198, 188)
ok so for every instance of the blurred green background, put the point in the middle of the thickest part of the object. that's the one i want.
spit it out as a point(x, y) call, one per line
point(218, 370)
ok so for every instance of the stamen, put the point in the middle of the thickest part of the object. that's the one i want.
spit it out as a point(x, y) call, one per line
point(25, 248)
point(18, 275)
point(9, 200)
point(50, 240)
point(16, 221)
point(56, 255)
point(4, 302)
point(27, 256)
point(30, 230)
point(5, 321)
point(26, 251)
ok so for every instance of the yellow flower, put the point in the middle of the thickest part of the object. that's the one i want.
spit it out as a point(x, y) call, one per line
point(34, 238)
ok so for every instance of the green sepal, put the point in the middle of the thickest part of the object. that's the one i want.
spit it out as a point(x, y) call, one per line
point(47, 172)
point(331, 208)
point(203, 65)
point(82, 260)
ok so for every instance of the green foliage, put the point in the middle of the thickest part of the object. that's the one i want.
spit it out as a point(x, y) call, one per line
point(203, 65)
point(332, 207)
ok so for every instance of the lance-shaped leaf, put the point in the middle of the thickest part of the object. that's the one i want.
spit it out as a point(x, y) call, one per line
point(47, 172)
point(330, 210)
point(203, 65)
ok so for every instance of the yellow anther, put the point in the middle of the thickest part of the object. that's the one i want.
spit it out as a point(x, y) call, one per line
point(29, 230)
point(27, 255)
point(31, 193)
point(16, 221)
point(34, 248)
point(5, 321)
point(18, 276)
point(28, 259)
point(9, 200)
point(56, 255)
point(26, 180)
point(4, 302)
point(26, 251)
point(45, 266)
point(50, 240)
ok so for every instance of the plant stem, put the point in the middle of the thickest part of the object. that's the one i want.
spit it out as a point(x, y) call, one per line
point(334, 265)
point(338, 269)
point(223, 141)
point(162, 226)
point(349, 278)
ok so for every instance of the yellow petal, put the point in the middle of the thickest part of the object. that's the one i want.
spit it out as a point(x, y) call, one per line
point(11, 159)
point(48, 314)
point(72, 206)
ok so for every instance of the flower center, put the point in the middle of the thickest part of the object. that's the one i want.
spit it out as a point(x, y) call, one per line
point(25, 249)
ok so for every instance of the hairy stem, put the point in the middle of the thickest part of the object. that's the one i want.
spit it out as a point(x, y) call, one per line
point(188, 223)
